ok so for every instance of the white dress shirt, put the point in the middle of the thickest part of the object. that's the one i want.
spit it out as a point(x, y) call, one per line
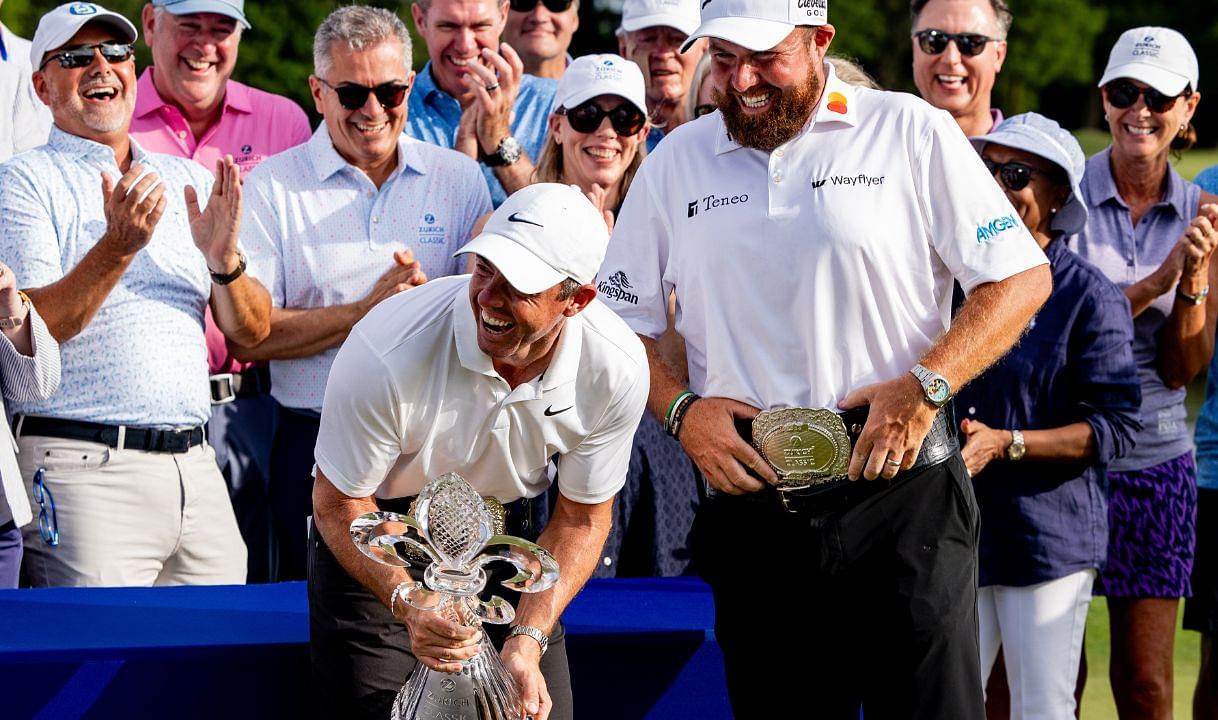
point(23, 379)
point(319, 233)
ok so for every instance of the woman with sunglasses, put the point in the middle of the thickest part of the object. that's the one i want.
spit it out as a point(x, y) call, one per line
point(1152, 233)
point(1040, 426)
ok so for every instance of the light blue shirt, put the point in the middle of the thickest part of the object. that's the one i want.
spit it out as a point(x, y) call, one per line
point(434, 116)
point(319, 233)
point(1207, 422)
point(141, 360)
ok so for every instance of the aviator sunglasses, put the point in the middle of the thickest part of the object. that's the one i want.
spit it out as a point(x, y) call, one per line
point(934, 42)
point(1123, 93)
point(1014, 176)
point(82, 55)
point(554, 6)
point(353, 97)
point(587, 116)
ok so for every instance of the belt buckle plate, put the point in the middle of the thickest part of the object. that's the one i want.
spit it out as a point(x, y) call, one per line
point(175, 441)
point(223, 389)
point(805, 446)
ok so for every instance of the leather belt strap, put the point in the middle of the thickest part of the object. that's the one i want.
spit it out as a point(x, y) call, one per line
point(134, 438)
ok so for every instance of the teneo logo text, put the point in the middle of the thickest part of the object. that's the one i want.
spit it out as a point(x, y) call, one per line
point(617, 287)
point(710, 202)
point(996, 227)
point(860, 180)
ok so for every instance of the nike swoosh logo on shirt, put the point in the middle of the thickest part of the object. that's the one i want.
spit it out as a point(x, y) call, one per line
point(515, 217)
point(551, 412)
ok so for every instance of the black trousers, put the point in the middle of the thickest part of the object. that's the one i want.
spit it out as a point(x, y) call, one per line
point(360, 653)
point(871, 603)
point(291, 493)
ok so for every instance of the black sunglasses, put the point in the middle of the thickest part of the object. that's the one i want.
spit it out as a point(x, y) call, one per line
point(1014, 176)
point(554, 6)
point(353, 97)
point(934, 42)
point(586, 117)
point(82, 55)
point(1123, 93)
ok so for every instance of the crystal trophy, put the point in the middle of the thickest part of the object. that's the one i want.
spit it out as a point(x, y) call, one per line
point(452, 533)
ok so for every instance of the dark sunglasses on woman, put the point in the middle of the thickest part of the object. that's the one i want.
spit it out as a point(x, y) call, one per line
point(1123, 93)
point(934, 42)
point(587, 116)
point(554, 6)
point(353, 97)
point(1014, 176)
point(82, 55)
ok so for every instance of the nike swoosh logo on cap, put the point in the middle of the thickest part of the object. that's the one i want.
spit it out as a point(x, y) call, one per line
point(515, 217)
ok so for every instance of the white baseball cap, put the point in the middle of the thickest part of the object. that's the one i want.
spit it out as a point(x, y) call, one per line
point(59, 25)
point(679, 14)
point(591, 76)
point(234, 9)
point(543, 234)
point(1157, 56)
point(757, 24)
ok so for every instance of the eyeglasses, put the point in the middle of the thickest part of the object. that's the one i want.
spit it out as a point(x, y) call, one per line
point(82, 55)
point(700, 110)
point(48, 526)
point(353, 97)
point(934, 42)
point(1123, 93)
point(587, 117)
point(1014, 176)
point(554, 6)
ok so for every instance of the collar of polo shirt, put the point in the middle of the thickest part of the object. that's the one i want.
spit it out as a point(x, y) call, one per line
point(564, 363)
point(838, 104)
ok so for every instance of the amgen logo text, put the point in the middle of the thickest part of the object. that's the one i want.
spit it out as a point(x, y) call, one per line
point(996, 227)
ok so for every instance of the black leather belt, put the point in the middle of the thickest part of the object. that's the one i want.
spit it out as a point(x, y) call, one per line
point(227, 387)
point(134, 438)
point(939, 445)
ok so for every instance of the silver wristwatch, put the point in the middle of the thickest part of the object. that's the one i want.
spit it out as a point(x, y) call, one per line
point(542, 639)
point(935, 387)
point(508, 152)
point(1016, 449)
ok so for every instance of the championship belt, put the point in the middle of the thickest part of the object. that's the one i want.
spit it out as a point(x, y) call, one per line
point(805, 446)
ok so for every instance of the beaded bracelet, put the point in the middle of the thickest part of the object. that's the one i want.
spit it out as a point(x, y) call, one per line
point(673, 406)
point(678, 414)
point(397, 592)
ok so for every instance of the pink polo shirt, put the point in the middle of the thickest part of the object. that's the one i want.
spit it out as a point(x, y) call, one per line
point(254, 126)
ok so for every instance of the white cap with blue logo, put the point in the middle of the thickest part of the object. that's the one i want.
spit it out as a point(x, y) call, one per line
point(58, 26)
point(1158, 56)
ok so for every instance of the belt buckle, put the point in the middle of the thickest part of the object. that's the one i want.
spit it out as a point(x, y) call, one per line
point(223, 389)
point(805, 446)
point(175, 442)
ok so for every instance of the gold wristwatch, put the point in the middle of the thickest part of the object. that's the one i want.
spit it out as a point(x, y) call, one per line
point(15, 321)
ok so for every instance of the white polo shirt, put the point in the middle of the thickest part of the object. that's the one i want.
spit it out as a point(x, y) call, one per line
point(411, 396)
point(827, 264)
point(319, 233)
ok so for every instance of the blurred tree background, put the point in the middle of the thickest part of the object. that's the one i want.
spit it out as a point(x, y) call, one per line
point(1058, 48)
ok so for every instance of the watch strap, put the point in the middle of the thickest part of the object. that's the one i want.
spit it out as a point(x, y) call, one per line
point(1017, 448)
point(502, 156)
point(226, 278)
point(15, 321)
point(1197, 299)
point(542, 639)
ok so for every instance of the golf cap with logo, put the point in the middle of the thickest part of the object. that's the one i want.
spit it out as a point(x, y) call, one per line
point(234, 9)
point(58, 26)
point(756, 24)
point(595, 75)
point(1036, 134)
point(1157, 56)
point(679, 14)
point(542, 235)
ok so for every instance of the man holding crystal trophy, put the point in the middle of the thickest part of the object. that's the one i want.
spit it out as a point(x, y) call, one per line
point(812, 231)
point(443, 412)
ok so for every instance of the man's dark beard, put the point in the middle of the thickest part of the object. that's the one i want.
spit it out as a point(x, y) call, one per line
point(786, 117)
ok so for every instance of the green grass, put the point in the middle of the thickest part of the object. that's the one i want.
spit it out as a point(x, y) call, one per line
point(1097, 698)
point(1189, 164)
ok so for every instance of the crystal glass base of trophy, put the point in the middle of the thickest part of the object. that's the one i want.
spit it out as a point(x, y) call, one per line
point(451, 534)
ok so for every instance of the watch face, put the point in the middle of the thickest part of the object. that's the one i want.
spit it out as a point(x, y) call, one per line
point(937, 391)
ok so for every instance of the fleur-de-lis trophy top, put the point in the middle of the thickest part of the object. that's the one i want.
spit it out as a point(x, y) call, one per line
point(452, 534)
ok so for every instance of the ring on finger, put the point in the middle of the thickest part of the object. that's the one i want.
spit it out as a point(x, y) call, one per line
point(893, 463)
point(492, 87)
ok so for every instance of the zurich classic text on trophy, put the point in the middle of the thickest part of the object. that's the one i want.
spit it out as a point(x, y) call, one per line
point(455, 535)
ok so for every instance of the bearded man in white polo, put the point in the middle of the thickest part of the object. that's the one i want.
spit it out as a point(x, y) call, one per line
point(488, 375)
point(811, 231)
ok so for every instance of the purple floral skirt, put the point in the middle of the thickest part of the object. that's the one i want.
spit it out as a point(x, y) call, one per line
point(1152, 522)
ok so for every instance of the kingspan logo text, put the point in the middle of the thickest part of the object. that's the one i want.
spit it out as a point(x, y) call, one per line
point(710, 202)
point(996, 227)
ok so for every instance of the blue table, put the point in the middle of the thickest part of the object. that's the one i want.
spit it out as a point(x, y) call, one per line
point(638, 649)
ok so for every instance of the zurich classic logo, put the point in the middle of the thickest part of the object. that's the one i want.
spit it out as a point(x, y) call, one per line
point(83, 9)
point(429, 219)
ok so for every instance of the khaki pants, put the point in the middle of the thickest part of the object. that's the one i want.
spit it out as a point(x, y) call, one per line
point(130, 517)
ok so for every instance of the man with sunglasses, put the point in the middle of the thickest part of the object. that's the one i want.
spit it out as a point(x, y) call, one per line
point(959, 47)
point(541, 32)
point(187, 104)
point(651, 34)
point(122, 263)
point(474, 95)
point(358, 213)
point(812, 232)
